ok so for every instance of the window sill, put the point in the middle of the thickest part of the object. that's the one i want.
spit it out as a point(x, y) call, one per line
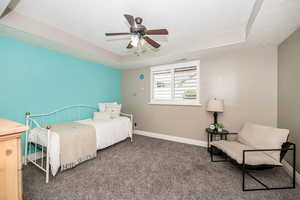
point(174, 104)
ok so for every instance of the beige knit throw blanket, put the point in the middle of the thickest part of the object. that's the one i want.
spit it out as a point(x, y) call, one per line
point(77, 143)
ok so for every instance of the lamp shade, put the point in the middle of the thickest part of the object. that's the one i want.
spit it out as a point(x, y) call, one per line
point(215, 105)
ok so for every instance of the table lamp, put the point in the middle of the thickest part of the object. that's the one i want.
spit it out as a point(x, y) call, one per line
point(216, 106)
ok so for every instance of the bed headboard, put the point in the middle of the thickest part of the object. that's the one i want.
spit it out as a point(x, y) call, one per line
point(64, 114)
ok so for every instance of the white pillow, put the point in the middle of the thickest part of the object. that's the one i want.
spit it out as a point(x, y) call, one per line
point(101, 116)
point(114, 110)
point(102, 106)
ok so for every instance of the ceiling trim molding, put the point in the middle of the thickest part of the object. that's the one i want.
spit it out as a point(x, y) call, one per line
point(255, 10)
point(24, 28)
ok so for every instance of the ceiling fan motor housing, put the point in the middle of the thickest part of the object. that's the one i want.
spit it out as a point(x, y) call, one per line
point(138, 20)
point(138, 29)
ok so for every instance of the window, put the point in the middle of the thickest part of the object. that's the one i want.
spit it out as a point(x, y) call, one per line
point(175, 84)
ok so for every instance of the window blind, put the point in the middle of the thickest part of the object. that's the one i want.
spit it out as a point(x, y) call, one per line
point(185, 80)
point(162, 85)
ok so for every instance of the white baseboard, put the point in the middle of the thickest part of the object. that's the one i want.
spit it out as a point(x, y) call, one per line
point(289, 169)
point(33, 156)
point(286, 165)
point(171, 138)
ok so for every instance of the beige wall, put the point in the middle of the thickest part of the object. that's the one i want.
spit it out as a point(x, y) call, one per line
point(246, 79)
point(288, 88)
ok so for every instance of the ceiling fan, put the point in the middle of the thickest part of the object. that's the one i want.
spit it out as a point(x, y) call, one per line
point(139, 32)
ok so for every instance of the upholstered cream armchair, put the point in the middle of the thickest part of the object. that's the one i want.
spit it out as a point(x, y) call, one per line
point(256, 147)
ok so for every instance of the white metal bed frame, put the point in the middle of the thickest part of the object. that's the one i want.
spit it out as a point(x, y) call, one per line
point(33, 147)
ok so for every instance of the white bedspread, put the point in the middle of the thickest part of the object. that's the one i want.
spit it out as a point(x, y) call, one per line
point(108, 132)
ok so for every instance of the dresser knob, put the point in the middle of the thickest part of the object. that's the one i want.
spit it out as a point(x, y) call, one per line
point(8, 152)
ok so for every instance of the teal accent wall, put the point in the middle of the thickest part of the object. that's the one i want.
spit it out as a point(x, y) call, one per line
point(40, 80)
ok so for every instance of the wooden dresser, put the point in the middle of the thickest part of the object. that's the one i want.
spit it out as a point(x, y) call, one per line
point(10, 160)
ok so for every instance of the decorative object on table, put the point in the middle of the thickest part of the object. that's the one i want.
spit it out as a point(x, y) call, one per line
point(213, 135)
point(212, 127)
point(216, 106)
point(219, 127)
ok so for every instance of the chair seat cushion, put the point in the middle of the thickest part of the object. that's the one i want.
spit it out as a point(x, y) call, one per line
point(235, 149)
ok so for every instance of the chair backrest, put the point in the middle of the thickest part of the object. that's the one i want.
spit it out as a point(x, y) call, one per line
point(263, 137)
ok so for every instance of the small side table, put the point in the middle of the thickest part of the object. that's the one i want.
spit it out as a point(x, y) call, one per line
point(211, 136)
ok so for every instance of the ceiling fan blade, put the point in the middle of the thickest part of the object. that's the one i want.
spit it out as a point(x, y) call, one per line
point(129, 46)
point(151, 42)
point(130, 19)
point(115, 34)
point(157, 32)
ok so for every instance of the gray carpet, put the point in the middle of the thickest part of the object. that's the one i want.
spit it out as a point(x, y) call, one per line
point(151, 169)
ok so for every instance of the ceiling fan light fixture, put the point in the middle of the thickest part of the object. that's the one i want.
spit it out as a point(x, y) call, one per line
point(142, 42)
point(135, 40)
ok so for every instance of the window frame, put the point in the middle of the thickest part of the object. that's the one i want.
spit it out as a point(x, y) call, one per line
point(172, 67)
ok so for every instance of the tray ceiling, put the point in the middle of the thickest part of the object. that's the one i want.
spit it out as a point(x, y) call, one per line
point(193, 25)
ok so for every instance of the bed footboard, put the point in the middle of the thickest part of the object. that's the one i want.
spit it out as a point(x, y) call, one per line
point(34, 151)
point(130, 116)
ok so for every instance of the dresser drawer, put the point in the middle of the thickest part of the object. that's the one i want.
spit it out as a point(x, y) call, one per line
point(10, 169)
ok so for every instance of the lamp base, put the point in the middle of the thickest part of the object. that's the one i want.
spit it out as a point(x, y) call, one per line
point(215, 117)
